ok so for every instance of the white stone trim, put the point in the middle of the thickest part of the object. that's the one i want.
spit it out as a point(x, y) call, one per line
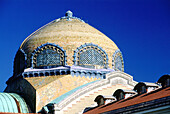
point(110, 77)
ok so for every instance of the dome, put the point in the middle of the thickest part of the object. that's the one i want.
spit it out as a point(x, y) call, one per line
point(13, 103)
point(61, 58)
point(69, 34)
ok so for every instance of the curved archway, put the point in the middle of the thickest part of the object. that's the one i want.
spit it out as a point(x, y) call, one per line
point(48, 56)
point(90, 56)
point(117, 61)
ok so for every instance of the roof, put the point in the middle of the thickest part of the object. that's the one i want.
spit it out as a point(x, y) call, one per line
point(153, 98)
point(69, 33)
point(11, 102)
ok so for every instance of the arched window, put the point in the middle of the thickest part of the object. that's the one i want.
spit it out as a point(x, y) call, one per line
point(117, 62)
point(48, 55)
point(91, 56)
point(164, 81)
point(119, 94)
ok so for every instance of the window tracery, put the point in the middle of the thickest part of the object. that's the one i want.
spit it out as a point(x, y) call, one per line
point(91, 56)
point(117, 61)
point(49, 55)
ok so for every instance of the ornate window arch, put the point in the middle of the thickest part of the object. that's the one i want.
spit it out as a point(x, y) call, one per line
point(90, 56)
point(117, 61)
point(48, 55)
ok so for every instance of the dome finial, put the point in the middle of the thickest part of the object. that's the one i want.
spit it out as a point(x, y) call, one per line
point(69, 14)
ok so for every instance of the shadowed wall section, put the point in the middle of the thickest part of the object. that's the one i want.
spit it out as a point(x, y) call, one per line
point(24, 89)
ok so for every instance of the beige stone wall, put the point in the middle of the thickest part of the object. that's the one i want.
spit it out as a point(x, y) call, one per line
point(50, 90)
point(39, 91)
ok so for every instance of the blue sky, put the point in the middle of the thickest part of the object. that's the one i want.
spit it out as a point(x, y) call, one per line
point(140, 28)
